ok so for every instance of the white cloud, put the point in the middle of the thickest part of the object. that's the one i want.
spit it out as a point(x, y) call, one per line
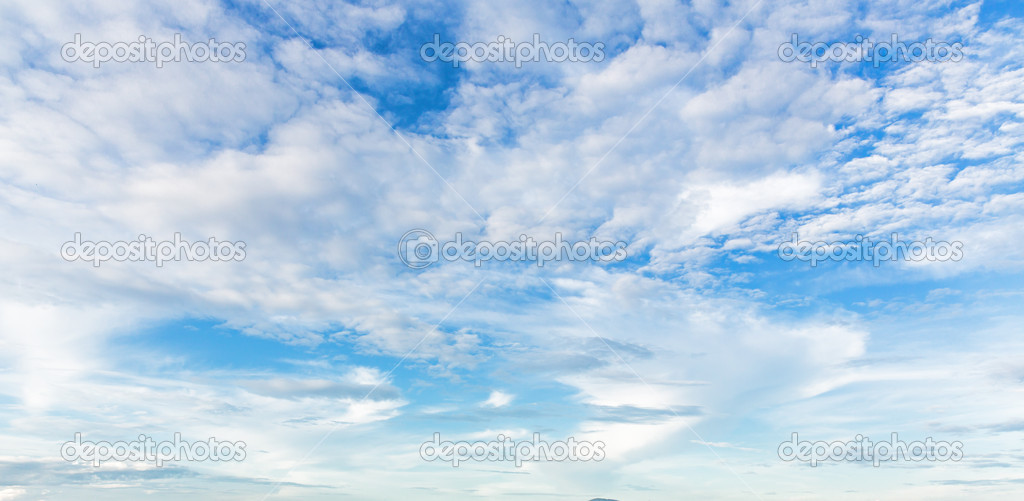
point(498, 399)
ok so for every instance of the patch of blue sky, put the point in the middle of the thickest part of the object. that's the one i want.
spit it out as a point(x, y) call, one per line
point(994, 11)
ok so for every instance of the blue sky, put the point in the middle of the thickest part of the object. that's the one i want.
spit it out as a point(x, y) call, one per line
point(691, 141)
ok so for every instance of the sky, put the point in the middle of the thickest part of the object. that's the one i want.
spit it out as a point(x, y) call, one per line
point(691, 358)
